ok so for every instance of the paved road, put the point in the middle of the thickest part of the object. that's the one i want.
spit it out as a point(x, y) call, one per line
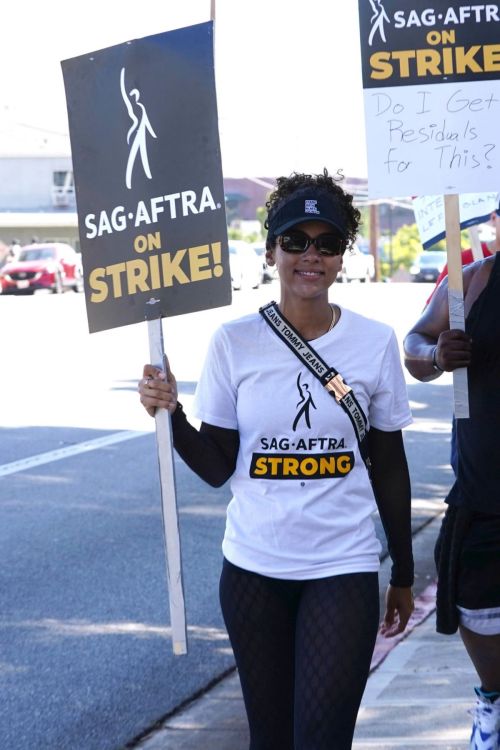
point(85, 655)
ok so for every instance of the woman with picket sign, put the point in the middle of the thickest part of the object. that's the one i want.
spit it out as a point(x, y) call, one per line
point(298, 402)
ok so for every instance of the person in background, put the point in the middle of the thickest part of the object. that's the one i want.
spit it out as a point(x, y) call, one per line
point(299, 583)
point(468, 547)
point(14, 250)
point(487, 249)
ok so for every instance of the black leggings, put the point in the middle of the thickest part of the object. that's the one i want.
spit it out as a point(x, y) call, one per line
point(303, 651)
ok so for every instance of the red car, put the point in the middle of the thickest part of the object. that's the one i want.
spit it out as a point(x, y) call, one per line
point(46, 265)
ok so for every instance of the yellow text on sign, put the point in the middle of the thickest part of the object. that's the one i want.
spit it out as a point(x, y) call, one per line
point(157, 271)
point(426, 63)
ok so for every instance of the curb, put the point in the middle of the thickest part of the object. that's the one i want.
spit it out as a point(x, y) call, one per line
point(425, 604)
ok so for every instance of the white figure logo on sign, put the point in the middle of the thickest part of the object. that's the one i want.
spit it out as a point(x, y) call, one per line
point(377, 20)
point(139, 126)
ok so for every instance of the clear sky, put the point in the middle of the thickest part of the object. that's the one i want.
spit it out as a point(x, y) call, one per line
point(288, 75)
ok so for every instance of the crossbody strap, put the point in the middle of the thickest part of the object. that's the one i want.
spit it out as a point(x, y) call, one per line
point(327, 375)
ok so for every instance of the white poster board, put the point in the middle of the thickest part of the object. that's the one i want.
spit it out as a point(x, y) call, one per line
point(475, 208)
point(425, 140)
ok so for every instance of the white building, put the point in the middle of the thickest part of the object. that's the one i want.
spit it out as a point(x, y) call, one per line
point(37, 199)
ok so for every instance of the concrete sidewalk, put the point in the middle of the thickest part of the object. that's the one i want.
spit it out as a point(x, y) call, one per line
point(418, 695)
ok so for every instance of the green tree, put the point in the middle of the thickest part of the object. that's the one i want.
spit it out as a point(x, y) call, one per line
point(234, 234)
point(401, 250)
point(364, 224)
point(238, 234)
point(261, 216)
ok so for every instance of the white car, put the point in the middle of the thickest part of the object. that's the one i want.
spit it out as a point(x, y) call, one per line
point(245, 264)
point(270, 272)
point(357, 266)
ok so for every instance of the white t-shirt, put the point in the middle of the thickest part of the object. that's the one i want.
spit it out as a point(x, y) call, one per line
point(302, 502)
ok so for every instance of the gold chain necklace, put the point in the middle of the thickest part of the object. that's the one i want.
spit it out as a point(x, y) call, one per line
point(334, 317)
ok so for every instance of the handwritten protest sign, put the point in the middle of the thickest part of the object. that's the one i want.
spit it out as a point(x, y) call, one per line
point(432, 102)
point(148, 177)
point(432, 96)
point(474, 208)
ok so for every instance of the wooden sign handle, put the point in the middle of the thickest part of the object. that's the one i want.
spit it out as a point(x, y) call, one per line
point(456, 297)
point(164, 445)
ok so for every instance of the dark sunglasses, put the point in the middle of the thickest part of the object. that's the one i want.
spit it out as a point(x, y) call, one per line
point(325, 244)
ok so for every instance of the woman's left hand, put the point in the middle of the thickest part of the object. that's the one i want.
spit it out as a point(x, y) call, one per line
point(399, 606)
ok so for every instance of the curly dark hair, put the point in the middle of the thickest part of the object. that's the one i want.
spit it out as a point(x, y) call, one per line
point(286, 186)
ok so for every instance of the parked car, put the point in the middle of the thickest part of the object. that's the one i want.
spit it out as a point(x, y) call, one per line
point(47, 265)
point(428, 265)
point(357, 266)
point(270, 272)
point(245, 264)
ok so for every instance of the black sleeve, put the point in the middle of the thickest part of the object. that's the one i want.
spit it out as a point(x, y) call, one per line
point(391, 485)
point(210, 452)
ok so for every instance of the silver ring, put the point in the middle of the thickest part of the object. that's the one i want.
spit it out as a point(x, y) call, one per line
point(147, 381)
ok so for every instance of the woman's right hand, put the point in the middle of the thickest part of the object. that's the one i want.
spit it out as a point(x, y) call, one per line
point(158, 390)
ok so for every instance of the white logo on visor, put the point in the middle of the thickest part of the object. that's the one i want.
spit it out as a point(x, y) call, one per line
point(311, 207)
